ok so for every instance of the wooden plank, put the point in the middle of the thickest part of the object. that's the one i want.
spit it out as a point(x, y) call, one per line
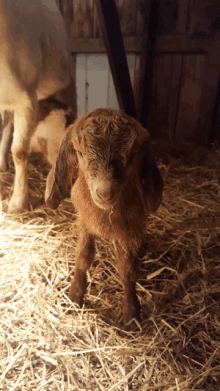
point(165, 92)
point(143, 11)
point(204, 18)
point(82, 26)
point(96, 45)
point(168, 44)
point(183, 16)
point(136, 81)
point(168, 14)
point(215, 117)
point(174, 91)
point(127, 10)
point(190, 95)
point(214, 55)
point(162, 96)
point(152, 112)
point(217, 128)
point(143, 19)
point(66, 8)
point(207, 103)
point(175, 43)
point(116, 54)
point(97, 32)
point(147, 62)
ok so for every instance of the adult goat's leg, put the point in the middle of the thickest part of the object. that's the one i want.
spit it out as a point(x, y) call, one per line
point(84, 256)
point(24, 125)
point(7, 126)
point(127, 264)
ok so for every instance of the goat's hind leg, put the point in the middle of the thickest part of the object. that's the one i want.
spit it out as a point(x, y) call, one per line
point(84, 256)
point(127, 264)
point(24, 125)
point(5, 145)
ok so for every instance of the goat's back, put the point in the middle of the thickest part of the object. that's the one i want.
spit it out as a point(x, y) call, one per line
point(33, 50)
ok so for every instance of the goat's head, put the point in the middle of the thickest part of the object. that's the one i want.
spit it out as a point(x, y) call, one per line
point(103, 144)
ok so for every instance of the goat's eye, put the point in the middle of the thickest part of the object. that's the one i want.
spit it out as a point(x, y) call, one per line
point(79, 153)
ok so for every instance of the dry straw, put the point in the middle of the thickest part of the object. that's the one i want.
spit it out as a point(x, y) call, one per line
point(46, 343)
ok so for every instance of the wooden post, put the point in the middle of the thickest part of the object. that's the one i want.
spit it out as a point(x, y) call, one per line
point(114, 44)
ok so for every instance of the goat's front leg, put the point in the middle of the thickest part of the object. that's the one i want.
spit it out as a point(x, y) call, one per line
point(7, 125)
point(84, 256)
point(127, 264)
point(24, 125)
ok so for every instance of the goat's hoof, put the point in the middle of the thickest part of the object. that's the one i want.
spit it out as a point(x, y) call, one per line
point(16, 208)
point(76, 298)
point(131, 315)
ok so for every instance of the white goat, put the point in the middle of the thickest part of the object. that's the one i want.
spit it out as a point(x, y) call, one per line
point(34, 64)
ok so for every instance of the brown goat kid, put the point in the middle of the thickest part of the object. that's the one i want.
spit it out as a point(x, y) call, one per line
point(106, 160)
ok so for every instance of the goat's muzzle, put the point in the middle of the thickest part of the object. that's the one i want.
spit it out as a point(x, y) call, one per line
point(104, 194)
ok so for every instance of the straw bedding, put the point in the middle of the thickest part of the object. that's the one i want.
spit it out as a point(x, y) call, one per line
point(48, 344)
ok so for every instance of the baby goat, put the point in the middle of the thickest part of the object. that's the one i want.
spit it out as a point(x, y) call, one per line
point(106, 160)
point(52, 119)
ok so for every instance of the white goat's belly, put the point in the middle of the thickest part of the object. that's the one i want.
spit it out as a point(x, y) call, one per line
point(9, 88)
point(11, 92)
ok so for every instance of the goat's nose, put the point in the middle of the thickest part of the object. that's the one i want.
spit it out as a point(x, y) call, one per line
point(104, 195)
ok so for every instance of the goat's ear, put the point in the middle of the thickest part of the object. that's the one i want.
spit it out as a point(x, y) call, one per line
point(63, 174)
point(150, 178)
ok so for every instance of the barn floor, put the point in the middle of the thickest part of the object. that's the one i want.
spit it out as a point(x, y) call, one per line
point(48, 344)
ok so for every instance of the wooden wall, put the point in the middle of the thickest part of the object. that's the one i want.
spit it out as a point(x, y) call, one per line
point(84, 21)
point(186, 64)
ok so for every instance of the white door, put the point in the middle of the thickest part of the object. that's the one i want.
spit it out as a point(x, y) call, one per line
point(94, 83)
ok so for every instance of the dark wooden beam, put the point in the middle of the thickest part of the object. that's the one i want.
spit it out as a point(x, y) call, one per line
point(164, 44)
point(97, 45)
point(114, 44)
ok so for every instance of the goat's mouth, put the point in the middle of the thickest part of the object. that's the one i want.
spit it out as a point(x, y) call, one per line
point(106, 202)
point(102, 204)
point(105, 205)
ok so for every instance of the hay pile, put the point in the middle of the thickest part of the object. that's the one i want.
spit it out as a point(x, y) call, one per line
point(45, 347)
